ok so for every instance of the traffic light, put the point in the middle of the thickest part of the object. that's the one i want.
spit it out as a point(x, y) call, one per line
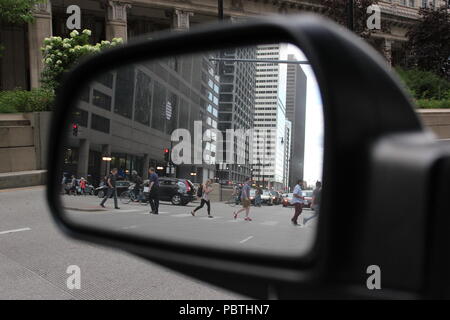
point(74, 129)
point(166, 154)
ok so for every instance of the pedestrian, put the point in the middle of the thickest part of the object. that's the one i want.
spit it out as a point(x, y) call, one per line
point(137, 180)
point(206, 189)
point(258, 200)
point(83, 186)
point(297, 201)
point(153, 193)
point(315, 203)
point(112, 191)
point(73, 185)
point(245, 200)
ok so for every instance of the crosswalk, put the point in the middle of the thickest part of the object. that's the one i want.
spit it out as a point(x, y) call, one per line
point(227, 219)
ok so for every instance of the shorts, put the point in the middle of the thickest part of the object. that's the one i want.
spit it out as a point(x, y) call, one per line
point(246, 203)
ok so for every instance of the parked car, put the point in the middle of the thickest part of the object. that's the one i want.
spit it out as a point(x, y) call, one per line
point(276, 197)
point(307, 201)
point(287, 198)
point(266, 198)
point(121, 186)
point(177, 191)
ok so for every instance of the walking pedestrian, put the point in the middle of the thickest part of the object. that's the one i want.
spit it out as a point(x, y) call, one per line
point(297, 201)
point(153, 193)
point(73, 185)
point(111, 183)
point(315, 205)
point(245, 200)
point(137, 180)
point(83, 186)
point(258, 200)
point(206, 189)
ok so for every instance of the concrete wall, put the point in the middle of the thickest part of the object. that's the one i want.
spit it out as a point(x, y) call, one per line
point(23, 179)
point(40, 121)
point(438, 120)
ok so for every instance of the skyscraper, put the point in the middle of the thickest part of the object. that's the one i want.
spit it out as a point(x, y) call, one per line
point(296, 113)
point(236, 109)
point(270, 117)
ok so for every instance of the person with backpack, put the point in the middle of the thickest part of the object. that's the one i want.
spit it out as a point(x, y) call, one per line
point(203, 191)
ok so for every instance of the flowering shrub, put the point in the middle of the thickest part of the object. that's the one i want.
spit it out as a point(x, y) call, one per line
point(35, 100)
point(61, 54)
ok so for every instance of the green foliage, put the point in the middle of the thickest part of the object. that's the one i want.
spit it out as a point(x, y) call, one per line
point(17, 101)
point(429, 41)
point(424, 84)
point(433, 104)
point(62, 54)
point(17, 11)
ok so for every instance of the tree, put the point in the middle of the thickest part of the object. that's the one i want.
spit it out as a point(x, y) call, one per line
point(17, 11)
point(429, 42)
point(62, 54)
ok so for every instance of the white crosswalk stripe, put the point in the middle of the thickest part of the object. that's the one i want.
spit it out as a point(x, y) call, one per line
point(181, 215)
point(269, 223)
point(213, 218)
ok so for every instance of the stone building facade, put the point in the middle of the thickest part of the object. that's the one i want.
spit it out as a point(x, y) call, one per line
point(22, 61)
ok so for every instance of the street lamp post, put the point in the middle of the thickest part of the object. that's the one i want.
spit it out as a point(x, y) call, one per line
point(350, 6)
point(108, 160)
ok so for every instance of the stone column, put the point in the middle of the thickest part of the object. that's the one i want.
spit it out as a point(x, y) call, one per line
point(83, 158)
point(145, 166)
point(38, 30)
point(387, 51)
point(116, 19)
point(180, 19)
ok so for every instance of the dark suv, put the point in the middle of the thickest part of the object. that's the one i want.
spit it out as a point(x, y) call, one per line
point(177, 191)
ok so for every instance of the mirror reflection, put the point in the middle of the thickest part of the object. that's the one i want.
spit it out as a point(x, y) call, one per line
point(220, 148)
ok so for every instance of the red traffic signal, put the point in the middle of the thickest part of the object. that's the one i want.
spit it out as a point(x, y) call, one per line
point(75, 129)
point(166, 155)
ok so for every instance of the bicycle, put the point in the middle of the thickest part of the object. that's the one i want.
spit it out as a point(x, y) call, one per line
point(130, 196)
point(233, 201)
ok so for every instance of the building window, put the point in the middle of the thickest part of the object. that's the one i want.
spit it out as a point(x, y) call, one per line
point(106, 79)
point(80, 117)
point(101, 100)
point(100, 123)
point(124, 92)
point(171, 113)
point(159, 106)
point(143, 99)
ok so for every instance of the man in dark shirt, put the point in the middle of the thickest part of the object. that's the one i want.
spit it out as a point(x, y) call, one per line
point(111, 184)
point(153, 195)
point(315, 201)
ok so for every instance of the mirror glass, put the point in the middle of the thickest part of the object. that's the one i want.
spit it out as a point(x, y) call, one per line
point(230, 131)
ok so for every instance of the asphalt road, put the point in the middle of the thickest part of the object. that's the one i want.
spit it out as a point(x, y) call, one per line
point(35, 255)
point(270, 230)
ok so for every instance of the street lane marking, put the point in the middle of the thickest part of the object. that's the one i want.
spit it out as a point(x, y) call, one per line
point(246, 239)
point(213, 218)
point(269, 223)
point(181, 215)
point(15, 230)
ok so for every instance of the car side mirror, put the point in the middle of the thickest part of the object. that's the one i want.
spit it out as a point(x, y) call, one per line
point(374, 147)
